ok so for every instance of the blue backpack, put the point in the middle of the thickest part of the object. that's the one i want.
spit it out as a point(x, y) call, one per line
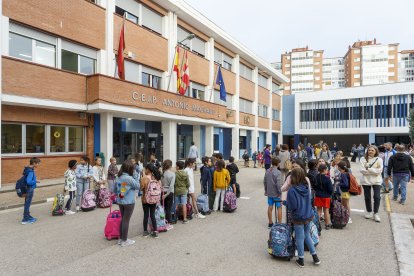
point(21, 185)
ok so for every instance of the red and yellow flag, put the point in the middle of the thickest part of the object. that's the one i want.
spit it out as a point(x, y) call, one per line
point(176, 68)
point(185, 80)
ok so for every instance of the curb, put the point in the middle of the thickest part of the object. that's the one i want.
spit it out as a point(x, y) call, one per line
point(15, 206)
point(387, 204)
point(38, 187)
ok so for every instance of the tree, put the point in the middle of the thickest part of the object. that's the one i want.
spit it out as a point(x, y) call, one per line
point(411, 125)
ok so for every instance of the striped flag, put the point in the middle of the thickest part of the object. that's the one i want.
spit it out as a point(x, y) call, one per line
point(176, 68)
point(185, 80)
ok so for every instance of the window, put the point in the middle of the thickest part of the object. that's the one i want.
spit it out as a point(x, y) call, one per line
point(151, 20)
point(195, 45)
point(229, 99)
point(357, 68)
point(357, 51)
point(275, 114)
point(223, 59)
point(262, 110)
point(151, 77)
point(246, 72)
point(78, 59)
point(75, 139)
point(32, 50)
point(128, 15)
point(57, 138)
point(66, 139)
point(245, 106)
point(35, 139)
point(275, 87)
point(357, 59)
point(197, 91)
point(262, 81)
point(11, 138)
point(357, 76)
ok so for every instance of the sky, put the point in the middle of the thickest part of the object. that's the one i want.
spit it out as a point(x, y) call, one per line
point(271, 27)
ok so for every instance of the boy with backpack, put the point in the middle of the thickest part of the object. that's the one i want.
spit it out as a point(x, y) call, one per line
point(233, 170)
point(70, 185)
point(29, 175)
point(272, 185)
point(323, 192)
point(182, 183)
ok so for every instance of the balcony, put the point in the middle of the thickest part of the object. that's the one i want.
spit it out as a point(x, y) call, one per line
point(61, 17)
point(127, 94)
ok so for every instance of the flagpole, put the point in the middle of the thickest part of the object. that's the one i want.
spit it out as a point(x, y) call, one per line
point(172, 66)
point(214, 82)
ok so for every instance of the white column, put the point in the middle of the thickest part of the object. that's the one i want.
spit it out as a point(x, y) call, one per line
point(197, 136)
point(256, 96)
point(169, 134)
point(255, 134)
point(2, 42)
point(209, 140)
point(170, 25)
point(106, 57)
point(269, 112)
point(107, 125)
point(210, 56)
point(280, 135)
point(235, 150)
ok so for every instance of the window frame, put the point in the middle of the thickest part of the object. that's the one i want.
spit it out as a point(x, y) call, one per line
point(66, 151)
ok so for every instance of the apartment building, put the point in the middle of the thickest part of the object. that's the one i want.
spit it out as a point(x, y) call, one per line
point(61, 97)
point(333, 73)
point(406, 66)
point(303, 67)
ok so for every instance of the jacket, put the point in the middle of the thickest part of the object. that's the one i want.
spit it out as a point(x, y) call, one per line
point(267, 157)
point(126, 185)
point(70, 180)
point(344, 181)
point(283, 156)
point(325, 155)
point(323, 187)
point(182, 183)
point(30, 177)
point(84, 171)
point(206, 179)
point(221, 179)
point(168, 182)
point(272, 182)
point(112, 172)
point(233, 171)
point(299, 203)
point(371, 170)
point(400, 163)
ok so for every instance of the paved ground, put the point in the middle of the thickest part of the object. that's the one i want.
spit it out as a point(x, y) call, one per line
point(222, 244)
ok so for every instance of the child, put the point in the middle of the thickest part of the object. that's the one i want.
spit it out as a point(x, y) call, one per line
point(246, 159)
point(206, 179)
point(233, 170)
point(189, 164)
point(112, 173)
point(84, 173)
point(260, 159)
point(299, 204)
point(168, 182)
point(152, 173)
point(220, 183)
point(125, 190)
point(99, 177)
point(272, 185)
point(323, 192)
point(344, 183)
point(31, 181)
point(70, 185)
point(180, 189)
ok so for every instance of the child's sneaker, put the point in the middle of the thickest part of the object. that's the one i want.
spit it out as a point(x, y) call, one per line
point(154, 234)
point(69, 212)
point(328, 226)
point(169, 227)
point(185, 221)
point(316, 259)
point(77, 208)
point(27, 221)
point(146, 234)
point(269, 225)
point(32, 219)
point(349, 220)
point(119, 242)
point(127, 242)
point(300, 262)
point(200, 216)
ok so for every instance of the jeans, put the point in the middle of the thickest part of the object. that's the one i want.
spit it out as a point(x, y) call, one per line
point(81, 187)
point(400, 181)
point(267, 166)
point(69, 203)
point(168, 204)
point(219, 196)
point(302, 235)
point(28, 202)
point(149, 211)
point(377, 197)
point(126, 213)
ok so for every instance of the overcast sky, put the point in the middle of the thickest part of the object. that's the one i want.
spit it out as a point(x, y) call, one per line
point(271, 27)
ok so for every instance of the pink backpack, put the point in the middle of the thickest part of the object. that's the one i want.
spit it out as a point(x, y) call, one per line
point(88, 201)
point(113, 223)
point(153, 193)
point(104, 198)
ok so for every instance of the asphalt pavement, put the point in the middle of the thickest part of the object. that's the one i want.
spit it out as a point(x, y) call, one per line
point(221, 244)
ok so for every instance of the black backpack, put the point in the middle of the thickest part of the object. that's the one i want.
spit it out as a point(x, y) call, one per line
point(21, 185)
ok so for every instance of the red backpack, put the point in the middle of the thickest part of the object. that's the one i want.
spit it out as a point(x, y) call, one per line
point(354, 187)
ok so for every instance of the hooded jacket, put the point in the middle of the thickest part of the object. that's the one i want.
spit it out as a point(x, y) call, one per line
point(400, 163)
point(30, 177)
point(206, 179)
point(299, 203)
point(221, 179)
point(182, 183)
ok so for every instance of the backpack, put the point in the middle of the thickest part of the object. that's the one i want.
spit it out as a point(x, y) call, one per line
point(230, 201)
point(281, 243)
point(189, 207)
point(160, 219)
point(58, 202)
point(113, 224)
point(354, 187)
point(288, 165)
point(339, 214)
point(21, 186)
point(314, 235)
point(153, 192)
point(88, 201)
point(104, 198)
point(202, 204)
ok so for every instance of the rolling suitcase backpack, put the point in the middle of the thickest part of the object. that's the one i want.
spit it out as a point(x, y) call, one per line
point(281, 243)
point(58, 203)
point(88, 201)
point(162, 224)
point(113, 224)
point(339, 214)
point(202, 203)
point(104, 198)
point(230, 201)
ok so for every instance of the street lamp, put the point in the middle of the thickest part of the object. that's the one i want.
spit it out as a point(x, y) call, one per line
point(189, 37)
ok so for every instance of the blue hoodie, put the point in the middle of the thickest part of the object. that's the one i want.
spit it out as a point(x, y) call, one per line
point(206, 179)
point(299, 203)
point(30, 177)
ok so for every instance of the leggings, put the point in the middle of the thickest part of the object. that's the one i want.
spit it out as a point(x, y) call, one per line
point(69, 203)
point(126, 212)
point(149, 210)
point(377, 197)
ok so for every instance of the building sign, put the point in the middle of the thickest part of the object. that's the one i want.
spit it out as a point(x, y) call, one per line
point(172, 103)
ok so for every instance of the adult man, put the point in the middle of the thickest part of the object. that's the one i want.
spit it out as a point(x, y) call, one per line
point(193, 154)
point(401, 166)
point(267, 157)
point(309, 151)
point(31, 181)
point(334, 149)
point(389, 151)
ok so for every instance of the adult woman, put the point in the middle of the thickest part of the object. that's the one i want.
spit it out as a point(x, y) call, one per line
point(284, 156)
point(126, 186)
point(371, 168)
point(302, 155)
point(325, 153)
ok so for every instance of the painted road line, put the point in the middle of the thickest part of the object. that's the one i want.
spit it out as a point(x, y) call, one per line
point(358, 210)
point(387, 203)
point(244, 197)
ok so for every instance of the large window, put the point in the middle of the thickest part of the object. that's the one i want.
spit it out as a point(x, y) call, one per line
point(245, 106)
point(78, 59)
point(32, 50)
point(262, 81)
point(35, 139)
point(262, 110)
point(196, 45)
point(275, 87)
point(76, 139)
point(151, 20)
point(196, 91)
point(57, 139)
point(223, 59)
point(11, 138)
point(246, 72)
point(151, 77)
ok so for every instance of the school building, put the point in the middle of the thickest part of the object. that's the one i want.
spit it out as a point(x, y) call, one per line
point(61, 96)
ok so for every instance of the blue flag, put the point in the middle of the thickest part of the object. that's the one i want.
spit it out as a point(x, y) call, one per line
point(220, 81)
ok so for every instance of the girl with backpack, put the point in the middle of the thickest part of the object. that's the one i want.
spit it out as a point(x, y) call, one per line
point(168, 182)
point(221, 181)
point(299, 204)
point(84, 174)
point(126, 187)
point(70, 185)
point(323, 193)
point(149, 183)
point(344, 181)
point(99, 177)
